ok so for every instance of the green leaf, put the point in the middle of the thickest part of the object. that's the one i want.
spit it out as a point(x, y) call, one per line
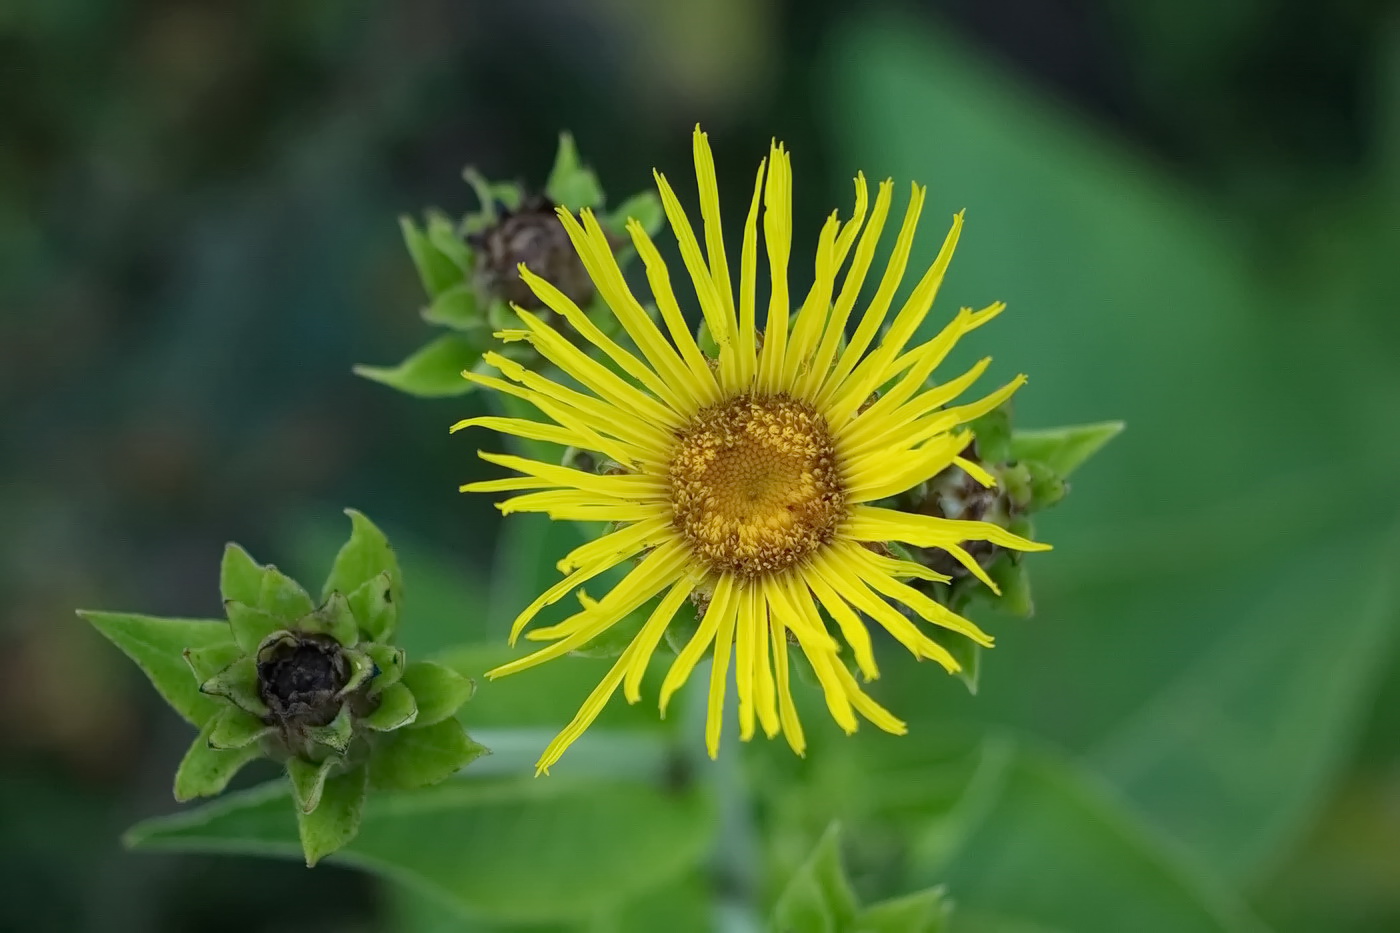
point(433, 371)
point(457, 308)
point(818, 897)
point(442, 234)
point(489, 194)
point(388, 660)
point(363, 557)
point(512, 849)
point(570, 184)
point(437, 271)
point(250, 625)
point(336, 818)
point(1040, 842)
point(923, 912)
point(157, 646)
point(412, 758)
point(208, 661)
point(335, 619)
point(336, 734)
point(993, 434)
point(439, 690)
point(308, 780)
point(206, 771)
point(233, 728)
point(967, 653)
point(644, 207)
point(283, 597)
point(1015, 581)
point(396, 708)
point(240, 577)
point(362, 668)
point(1234, 757)
point(375, 609)
point(1064, 449)
point(237, 683)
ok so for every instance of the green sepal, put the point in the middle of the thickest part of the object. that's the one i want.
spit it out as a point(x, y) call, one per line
point(432, 371)
point(205, 770)
point(924, 911)
point(968, 654)
point(389, 665)
point(207, 661)
point(233, 728)
point(458, 309)
point(336, 819)
point(250, 625)
point(337, 734)
point(362, 668)
point(1016, 483)
point(489, 194)
point(1046, 486)
point(238, 683)
point(308, 781)
point(412, 758)
point(335, 619)
point(397, 708)
point(993, 434)
point(439, 691)
point(1014, 580)
point(283, 598)
point(364, 556)
point(818, 896)
point(436, 270)
point(570, 183)
point(442, 236)
point(375, 609)
point(240, 577)
point(1065, 449)
point(644, 207)
point(157, 646)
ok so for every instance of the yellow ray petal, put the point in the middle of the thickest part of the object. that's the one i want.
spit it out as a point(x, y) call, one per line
point(871, 523)
point(721, 604)
point(719, 675)
point(650, 636)
point(702, 380)
point(787, 710)
point(709, 212)
point(815, 308)
point(755, 609)
point(777, 236)
point(746, 343)
point(716, 312)
point(867, 706)
point(852, 628)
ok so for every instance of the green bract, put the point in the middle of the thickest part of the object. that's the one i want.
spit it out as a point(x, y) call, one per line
point(317, 687)
point(469, 267)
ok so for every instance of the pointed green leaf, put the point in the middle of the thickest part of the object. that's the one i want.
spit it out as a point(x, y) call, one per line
point(206, 771)
point(208, 661)
point(362, 668)
point(240, 577)
point(389, 663)
point(1064, 449)
point(643, 207)
point(234, 728)
point(993, 434)
point(375, 609)
point(335, 619)
point(570, 183)
point(442, 235)
point(436, 271)
point(440, 691)
point(308, 780)
point(250, 625)
point(336, 819)
point(397, 708)
point(559, 849)
point(1015, 581)
point(967, 653)
point(411, 758)
point(458, 309)
point(490, 194)
point(363, 557)
point(433, 371)
point(1047, 487)
point(335, 735)
point(283, 598)
point(157, 646)
point(922, 912)
point(238, 683)
point(818, 896)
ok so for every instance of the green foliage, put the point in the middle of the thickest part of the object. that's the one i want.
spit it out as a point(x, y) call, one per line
point(514, 849)
point(413, 758)
point(335, 819)
point(157, 646)
point(440, 690)
point(205, 770)
point(1063, 450)
point(571, 184)
point(433, 371)
point(818, 898)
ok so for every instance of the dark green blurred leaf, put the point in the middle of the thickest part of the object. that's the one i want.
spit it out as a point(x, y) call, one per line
point(570, 183)
point(969, 654)
point(517, 849)
point(437, 271)
point(817, 897)
point(411, 758)
point(457, 308)
point(336, 818)
point(644, 207)
point(924, 912)
point(157, 646)
point(439, 690)
point(1234, 756)
point(434, 371)
point(1063, 449)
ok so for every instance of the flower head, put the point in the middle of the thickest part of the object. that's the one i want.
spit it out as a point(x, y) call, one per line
point(749, 482)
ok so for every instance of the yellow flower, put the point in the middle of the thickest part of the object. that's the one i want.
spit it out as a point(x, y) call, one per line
point(747, 483)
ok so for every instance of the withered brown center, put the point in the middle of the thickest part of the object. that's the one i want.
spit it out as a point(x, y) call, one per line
point(755, 484)
point(299, 677)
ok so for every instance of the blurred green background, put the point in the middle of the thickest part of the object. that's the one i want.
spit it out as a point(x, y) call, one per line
point(1193, 210)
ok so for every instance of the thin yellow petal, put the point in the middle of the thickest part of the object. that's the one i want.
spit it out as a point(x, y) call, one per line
point(787, 710)
point(702, 380)
point(871, 523)
point(719, 676)
point(777, 236)
point(867, 706)
point(746, 349)
point(709, 212)
point(650, 636)
point(716, 312)
point(765, 694)
point(746, 636)
point(721, 604)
